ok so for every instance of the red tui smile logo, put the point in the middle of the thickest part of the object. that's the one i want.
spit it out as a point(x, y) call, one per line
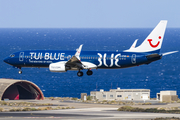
point(154, 46)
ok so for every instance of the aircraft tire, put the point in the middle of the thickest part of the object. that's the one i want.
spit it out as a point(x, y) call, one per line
point(89, 72)
point(20, 72)
point(80, 74)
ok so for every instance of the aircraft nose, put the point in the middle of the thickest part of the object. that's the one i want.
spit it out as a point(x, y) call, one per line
point(6, 60)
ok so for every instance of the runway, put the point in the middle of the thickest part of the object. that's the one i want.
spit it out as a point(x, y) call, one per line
point(82, 113)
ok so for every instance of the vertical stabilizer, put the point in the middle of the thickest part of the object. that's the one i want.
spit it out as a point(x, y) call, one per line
point(154, 40)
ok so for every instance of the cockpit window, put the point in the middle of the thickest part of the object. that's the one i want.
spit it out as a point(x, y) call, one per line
point(12, 55)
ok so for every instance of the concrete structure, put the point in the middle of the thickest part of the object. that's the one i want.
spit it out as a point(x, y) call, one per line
point(84, 96)
point(121, 94)
point(167, 96)
point(19, 89)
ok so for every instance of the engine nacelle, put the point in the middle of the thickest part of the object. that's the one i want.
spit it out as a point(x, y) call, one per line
point(57, 67)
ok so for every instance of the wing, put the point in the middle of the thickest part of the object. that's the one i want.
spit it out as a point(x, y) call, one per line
point(76, 63)
point(72, 64)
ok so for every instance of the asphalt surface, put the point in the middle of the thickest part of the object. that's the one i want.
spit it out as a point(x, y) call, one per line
point(83, 113)
point(46, 115)
point(86, 111)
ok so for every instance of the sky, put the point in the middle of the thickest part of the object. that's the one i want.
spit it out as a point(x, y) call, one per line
point(88, 13)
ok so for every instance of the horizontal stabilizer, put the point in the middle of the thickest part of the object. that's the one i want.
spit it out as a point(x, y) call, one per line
point(153, 55)
point(167, 53)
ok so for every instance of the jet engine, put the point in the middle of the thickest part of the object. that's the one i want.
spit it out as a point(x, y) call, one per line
point(57, 67)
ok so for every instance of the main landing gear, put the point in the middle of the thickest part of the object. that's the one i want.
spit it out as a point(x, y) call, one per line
point(80, 74)
point(89, 72)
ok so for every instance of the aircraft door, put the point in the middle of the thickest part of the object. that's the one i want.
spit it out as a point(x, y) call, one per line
point(21, 56)
point(133, 59)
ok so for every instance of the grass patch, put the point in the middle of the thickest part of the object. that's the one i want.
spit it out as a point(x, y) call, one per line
point(38, 109)
point(148, 103)
point(1, 109)
point(74, 98)
point(89, 97)
point(152, 110)
point(178, 101)
point(14, 110)
point(26, 109)
point(167, 118)
point(3, 103)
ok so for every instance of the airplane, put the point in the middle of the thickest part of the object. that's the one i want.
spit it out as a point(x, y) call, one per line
point(63, 60)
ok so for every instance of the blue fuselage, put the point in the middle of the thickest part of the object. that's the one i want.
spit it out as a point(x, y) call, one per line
point(103, 59)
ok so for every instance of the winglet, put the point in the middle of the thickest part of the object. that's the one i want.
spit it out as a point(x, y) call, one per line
point(79, 51)
point(134, 44)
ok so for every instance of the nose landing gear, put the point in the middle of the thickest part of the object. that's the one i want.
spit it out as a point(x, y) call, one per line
point(20, 71)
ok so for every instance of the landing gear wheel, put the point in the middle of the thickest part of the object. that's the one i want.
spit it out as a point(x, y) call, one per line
point(89, 72)
point(20, 72)
point(80, 74)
